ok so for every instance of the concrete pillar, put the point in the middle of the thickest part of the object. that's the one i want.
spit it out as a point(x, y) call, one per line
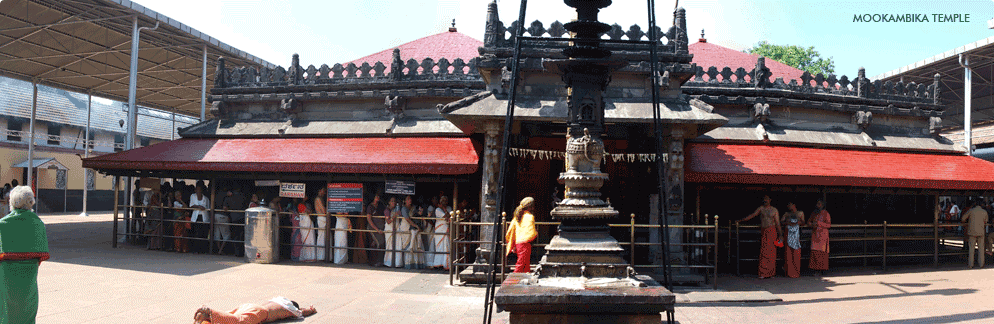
point(86, 151)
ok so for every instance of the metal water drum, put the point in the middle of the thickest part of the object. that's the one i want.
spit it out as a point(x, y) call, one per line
point(261, 240)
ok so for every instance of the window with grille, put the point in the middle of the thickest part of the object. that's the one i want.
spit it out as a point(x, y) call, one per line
point(54, 134)
point(60, 179)
point(118, 142)
point(14, 125)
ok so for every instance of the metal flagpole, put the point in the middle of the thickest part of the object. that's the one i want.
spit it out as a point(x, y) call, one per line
point(502, 175)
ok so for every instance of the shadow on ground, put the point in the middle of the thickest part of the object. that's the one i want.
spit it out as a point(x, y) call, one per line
point(88, 243)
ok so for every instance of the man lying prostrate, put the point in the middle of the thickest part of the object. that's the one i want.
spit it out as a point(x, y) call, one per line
point(273, 310)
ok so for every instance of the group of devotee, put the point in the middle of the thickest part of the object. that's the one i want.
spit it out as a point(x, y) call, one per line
point(773, 225)
point(404, 233)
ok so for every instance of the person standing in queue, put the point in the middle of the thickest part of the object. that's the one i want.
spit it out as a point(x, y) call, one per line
point(374, 218)
point(975, 219)
point(520, 234)
point(820, 221)
point(770, 224)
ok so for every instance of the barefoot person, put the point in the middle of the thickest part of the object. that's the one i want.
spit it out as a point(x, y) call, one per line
point(520, 235)
point(770, 224)
point(820, 221)
point(792, 219)
point(273, 310)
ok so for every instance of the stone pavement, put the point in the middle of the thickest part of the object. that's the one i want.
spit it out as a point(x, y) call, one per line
point(87, 281)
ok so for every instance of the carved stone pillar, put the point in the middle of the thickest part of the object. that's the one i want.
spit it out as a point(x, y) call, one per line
point(675, 193)
point(488, 199)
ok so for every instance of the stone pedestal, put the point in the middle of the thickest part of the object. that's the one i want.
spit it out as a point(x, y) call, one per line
point(589, 303)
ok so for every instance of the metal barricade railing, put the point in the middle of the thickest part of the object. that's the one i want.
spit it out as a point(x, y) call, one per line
point(706, 243)
point(160, 229)
point(860, 241)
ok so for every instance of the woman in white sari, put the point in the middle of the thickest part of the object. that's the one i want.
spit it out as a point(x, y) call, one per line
point(414, 257)
point(307, 252)
point(322, 218)
point(388, 232)
point(441, 238)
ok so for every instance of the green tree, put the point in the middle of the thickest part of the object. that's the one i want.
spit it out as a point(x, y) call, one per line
point(806, 59)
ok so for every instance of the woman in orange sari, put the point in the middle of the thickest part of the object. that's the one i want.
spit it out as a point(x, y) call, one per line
point(181, 244)
point(520, 234)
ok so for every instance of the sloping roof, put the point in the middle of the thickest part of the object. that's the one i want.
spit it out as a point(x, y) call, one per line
point(764, 164)
point(450, 45)
point(410, 155)
point(708, 54)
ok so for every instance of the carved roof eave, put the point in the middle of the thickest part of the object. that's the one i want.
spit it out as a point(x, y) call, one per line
point(864, 139)
point(472, 113)
point(825, 101)
point(454, 92)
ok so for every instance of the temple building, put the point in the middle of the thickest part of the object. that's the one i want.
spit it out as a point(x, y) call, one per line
point(431, 112)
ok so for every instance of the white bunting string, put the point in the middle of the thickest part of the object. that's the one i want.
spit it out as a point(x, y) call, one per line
point(560, 155)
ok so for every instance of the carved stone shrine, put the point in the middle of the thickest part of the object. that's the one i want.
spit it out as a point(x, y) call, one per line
point(583, 277)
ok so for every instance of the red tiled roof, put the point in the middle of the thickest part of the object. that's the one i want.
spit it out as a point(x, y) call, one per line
point(786, 165)
point(707, 55)
point(408, 155)
point(450, 45)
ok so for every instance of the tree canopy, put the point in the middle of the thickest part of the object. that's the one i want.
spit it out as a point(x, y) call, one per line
point(806, 59)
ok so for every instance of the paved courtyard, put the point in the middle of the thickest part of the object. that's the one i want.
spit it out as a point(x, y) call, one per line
point(87, 281)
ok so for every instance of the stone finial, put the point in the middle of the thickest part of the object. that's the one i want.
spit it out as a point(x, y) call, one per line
point(862, 84)
point(702, 39)
point(761, 112)
point(221, 74)
point(863, 119)
point(453, 28)
point(935, 88)
point(296, 71)
point(761, 74)
point(681, 23)
point(397, 65)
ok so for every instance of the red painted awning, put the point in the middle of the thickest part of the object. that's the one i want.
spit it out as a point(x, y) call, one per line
point(786, 165)
point(413, 155)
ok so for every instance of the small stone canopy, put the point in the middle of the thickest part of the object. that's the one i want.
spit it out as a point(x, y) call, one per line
point(46, 163)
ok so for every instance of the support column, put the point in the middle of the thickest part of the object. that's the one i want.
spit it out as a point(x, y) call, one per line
point(86, 151)
point(203, 87)
point(129, 137)
point(674, 201)
point(967, 103)
point(31, 137)
point(488, 201)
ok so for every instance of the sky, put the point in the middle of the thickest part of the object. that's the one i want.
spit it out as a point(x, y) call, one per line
point(328, 32)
